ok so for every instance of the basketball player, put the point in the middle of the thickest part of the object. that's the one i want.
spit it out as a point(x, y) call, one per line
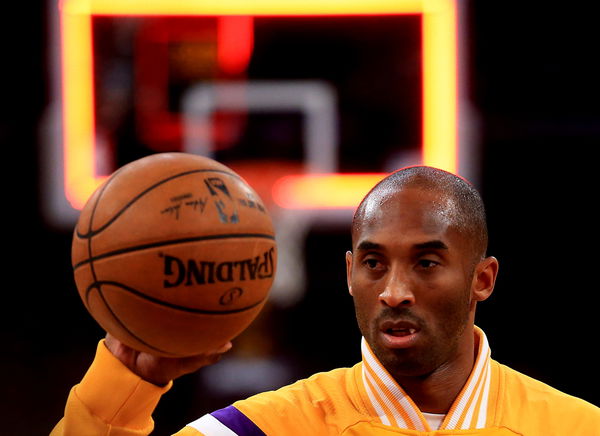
point(417, 270)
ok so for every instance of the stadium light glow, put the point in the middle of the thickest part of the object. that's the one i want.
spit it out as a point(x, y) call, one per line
point(235, 40)
point(439, 40)
point(323, 191)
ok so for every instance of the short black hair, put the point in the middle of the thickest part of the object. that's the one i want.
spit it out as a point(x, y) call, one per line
point(470, 217)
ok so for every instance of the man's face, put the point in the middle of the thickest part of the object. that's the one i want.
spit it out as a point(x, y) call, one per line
point(410, 275)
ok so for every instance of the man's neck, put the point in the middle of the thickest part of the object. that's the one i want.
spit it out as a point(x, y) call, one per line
point(436, 392)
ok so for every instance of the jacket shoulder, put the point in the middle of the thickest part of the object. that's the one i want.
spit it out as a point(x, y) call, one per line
point(319, 403)
point(530, 403)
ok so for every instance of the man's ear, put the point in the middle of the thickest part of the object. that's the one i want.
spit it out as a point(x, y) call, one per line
point(349, 270)
point(484, 278)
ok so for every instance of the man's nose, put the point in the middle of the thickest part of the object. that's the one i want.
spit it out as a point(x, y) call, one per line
point(398, 292)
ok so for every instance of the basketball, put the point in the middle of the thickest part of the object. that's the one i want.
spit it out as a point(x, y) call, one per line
point(174, 254)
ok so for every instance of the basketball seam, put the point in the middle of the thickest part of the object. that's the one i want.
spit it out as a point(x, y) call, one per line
point(91, 224)
point(92, 259)
point(123, 326)
point(91, 233)
point(131, 290)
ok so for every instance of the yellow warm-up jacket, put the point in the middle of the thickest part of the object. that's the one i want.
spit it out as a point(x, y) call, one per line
point(361, 400)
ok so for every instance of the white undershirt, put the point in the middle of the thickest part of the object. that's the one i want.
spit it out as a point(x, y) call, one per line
point(434, 420)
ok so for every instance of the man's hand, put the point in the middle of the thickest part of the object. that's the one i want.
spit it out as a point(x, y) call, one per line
point(161, 370)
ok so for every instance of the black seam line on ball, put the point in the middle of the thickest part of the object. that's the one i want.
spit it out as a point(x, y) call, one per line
point(131, 290)
point(173, 242)
point(91, 225)
point(91, 233)
point(116, 318)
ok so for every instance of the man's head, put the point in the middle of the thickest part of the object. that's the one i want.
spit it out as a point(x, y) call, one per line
point(458, 200)
point(418, 268)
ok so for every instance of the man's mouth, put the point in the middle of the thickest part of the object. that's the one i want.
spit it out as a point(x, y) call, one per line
point(401, 331)
point(399, 334)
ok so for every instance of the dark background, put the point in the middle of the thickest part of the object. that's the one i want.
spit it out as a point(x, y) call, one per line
point(533, 83)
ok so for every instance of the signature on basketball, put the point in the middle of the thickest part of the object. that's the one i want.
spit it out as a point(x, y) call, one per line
point(224, 203)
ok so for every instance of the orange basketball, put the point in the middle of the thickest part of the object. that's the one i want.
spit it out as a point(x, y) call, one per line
point(174, 254)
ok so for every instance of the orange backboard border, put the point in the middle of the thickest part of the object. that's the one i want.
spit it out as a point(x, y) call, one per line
point(440, 69)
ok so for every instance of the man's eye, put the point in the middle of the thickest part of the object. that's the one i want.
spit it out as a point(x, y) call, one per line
point(371, 263)
point(426, 263)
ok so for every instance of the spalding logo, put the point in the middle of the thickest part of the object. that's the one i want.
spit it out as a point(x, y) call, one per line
point(190, 272)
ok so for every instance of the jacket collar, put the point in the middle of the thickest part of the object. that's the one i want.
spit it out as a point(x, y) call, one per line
point(395, 408)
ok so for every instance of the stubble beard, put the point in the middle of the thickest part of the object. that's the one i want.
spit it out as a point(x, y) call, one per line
point(436, 349)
